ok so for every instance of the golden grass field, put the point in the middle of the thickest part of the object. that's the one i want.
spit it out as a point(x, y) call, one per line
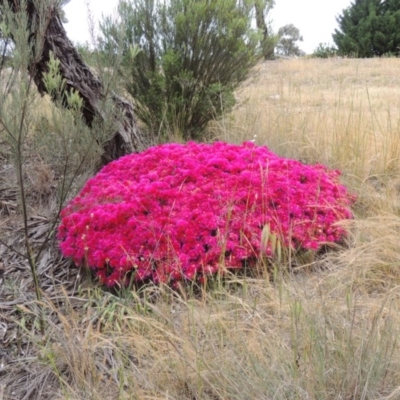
point(327, 329)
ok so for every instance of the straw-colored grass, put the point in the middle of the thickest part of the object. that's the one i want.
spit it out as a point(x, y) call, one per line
point(328, 330)
point(340, 112)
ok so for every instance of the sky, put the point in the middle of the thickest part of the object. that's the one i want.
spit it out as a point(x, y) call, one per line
point(316, 19)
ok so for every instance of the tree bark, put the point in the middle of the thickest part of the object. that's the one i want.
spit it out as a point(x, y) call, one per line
point(49, 29)
point(260, 22)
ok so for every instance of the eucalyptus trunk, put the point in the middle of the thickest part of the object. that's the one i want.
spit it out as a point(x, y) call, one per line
point(128, 137)
point(268, 50)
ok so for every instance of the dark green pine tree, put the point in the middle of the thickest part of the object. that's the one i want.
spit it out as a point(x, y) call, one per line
point(369, 28)
point(390, 26)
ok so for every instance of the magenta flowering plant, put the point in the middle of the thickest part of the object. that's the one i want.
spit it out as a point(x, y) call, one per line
point(179, 212)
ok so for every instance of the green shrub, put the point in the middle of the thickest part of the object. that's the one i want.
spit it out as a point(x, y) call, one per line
point(191, 56)
point(324, 50)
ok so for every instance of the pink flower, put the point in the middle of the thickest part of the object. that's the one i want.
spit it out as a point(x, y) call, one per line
point(177, 211)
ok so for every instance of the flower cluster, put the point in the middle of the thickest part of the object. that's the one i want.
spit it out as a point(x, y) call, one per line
point(177, 212)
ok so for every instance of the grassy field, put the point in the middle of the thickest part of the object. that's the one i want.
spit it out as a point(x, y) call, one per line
point(326, 329)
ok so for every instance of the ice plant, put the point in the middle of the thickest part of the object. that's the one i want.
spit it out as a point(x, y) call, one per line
point(176, 212)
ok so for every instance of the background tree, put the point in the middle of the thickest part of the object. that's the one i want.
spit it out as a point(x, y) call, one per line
point(288, 36)
point(193, 54)
point(269, 40)
point(369, 28)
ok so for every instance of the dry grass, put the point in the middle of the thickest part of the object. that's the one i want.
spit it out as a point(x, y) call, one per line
point(340, 112)
point(325, 331)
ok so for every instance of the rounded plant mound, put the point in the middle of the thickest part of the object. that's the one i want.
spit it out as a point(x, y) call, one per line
point(179, 212)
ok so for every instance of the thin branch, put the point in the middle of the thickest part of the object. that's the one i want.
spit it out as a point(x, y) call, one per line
point(13, 250)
